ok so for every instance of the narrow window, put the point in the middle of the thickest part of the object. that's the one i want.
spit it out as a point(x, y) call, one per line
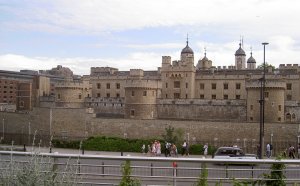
point(225, 96)
point(118, 85)
point(145, 93)
point(98, 85)
point(176, 84)
point(237, 96)
point(238, 86)
point(289, 86)
point(131, 112)
point(213, 96)
point(213, 86)
point(201, 86)
point(107, 85)
point(132, 93)
point(225, 86)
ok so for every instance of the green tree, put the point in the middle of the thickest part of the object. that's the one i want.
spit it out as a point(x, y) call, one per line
point(261, 66)
point(126, 179)
point(170, 136)
point(202, 180)
point(276, 176)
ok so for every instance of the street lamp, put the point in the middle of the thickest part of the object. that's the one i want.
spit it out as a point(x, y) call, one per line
point(262, 105)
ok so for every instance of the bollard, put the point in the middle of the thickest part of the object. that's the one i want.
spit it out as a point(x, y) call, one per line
point(50, 151)
point(24, 149)
point(82, 150)
point(121, 153)
point(103, 168)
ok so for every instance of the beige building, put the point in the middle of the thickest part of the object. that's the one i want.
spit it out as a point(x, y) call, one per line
point(179, 89)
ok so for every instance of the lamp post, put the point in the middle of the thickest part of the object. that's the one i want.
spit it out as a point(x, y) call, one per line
point(272, 143)
point(3, 128)
point(262, 105)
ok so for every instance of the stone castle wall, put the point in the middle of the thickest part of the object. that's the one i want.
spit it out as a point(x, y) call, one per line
point(79, 122)
point(209, 110)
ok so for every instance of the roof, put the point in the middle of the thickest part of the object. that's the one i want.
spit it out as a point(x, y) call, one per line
point(240, 52)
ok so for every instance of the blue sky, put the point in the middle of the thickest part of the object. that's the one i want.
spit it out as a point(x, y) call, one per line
point(125, 34)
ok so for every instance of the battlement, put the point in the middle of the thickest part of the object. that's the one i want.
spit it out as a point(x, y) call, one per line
point(95, 71)
point(269, 84)
point(137, 72)
point(289, 66)
point(166, 59)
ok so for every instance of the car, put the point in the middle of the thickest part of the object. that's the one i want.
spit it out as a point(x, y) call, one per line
point(232, 153)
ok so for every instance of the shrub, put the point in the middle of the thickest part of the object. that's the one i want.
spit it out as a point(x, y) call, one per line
point(126, 179)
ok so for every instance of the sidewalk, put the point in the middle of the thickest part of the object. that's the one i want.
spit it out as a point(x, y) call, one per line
point(88, 152)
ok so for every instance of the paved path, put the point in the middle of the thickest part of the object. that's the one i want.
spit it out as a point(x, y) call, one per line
point(77, 151)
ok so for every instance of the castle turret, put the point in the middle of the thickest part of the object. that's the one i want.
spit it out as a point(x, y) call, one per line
point(140, 98)
point(187, 54)
point(204, 63)
point(251, 63)
point(240, 58)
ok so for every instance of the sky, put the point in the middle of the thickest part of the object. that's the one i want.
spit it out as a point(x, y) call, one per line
point(135, 34)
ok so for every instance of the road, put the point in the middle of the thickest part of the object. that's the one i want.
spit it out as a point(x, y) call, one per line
point(149, 171)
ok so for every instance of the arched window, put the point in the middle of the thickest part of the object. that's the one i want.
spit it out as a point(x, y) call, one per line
point(288, 117)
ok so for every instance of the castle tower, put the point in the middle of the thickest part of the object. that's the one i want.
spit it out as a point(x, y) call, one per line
point(251, 62)
point(274, 100)
point(140, 98)
point(187, 54)
point(240, 58)
point(178, 78)
point(204, 63)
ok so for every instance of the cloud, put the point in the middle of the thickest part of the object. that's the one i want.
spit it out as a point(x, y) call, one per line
point(255, 17)
point(282, 50)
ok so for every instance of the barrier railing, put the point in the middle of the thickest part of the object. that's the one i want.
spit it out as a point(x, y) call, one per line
point(99, 169)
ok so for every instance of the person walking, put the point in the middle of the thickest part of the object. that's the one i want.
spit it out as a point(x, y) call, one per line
point(143, 148)
point(268, 151)
point(205, 149)
point(291, 152)
point(184, 145)
point(298, 150)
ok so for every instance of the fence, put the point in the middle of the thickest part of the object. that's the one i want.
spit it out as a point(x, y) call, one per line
point(107, 170)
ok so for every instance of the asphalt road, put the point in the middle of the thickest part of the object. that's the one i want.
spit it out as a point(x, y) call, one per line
point(151, 172)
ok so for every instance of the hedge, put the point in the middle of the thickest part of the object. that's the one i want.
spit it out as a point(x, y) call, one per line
point(115, 144)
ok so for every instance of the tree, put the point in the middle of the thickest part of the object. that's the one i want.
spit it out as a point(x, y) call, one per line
point(261, 66)
point(126, 179)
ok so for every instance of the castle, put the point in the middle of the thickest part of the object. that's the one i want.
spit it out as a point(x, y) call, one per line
point(176, 90)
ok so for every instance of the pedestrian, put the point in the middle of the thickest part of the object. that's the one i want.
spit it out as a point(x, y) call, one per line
point(158, 149)
point(268, 151)
point(298, 150)
point(143, 148)
point(205, 149)
point(149, 149)
point(184, 145)
point(291, 152)
point(168, 149)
